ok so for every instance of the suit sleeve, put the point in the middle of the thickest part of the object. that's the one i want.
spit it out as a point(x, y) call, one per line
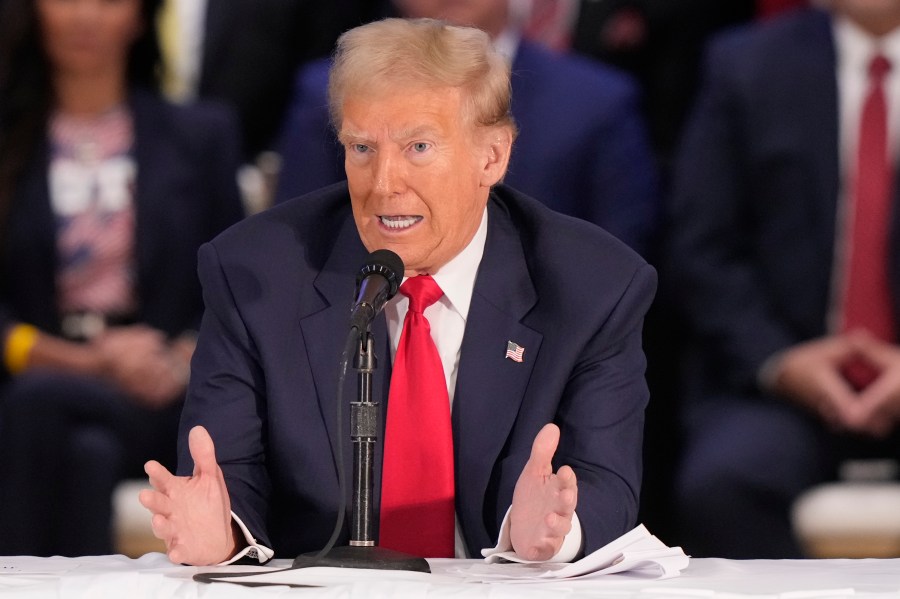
point(601, 418)
point(711, 254)
point(226, 395)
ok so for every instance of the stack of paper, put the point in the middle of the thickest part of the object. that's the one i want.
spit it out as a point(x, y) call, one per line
point(637, 552)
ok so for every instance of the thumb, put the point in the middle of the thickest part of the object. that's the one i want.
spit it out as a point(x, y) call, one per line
point(203, 451)
point(543, 448)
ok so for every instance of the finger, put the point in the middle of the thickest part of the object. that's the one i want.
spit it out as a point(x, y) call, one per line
point(880, 353)
point(543, 448)
point(558, 525)
point(162, 528)
point(155, 501)
point(159, 476)
point(567, 478)
point(877, 403)
point(178, 554)
point(203, 451)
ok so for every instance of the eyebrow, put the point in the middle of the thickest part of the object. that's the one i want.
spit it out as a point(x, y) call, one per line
point(404, 135)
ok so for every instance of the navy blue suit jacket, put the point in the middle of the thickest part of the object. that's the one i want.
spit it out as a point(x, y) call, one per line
point(582, 148)
point(278, 289)
point(755, 203)
point(185, 193)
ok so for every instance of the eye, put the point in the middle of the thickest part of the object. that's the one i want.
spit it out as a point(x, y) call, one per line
point(420, 146)
point(360, 148)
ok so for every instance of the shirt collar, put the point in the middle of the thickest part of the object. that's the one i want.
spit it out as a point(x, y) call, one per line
point(856, 47)
point(457, 277)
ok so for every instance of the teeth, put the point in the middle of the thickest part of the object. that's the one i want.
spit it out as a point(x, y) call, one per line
point(399, 222)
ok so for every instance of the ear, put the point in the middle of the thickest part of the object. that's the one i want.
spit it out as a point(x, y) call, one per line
point(497, 143)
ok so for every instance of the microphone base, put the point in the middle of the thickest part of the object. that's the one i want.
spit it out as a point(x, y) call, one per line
point(375, 558)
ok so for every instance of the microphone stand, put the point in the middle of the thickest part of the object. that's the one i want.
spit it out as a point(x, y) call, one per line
point(362, 552)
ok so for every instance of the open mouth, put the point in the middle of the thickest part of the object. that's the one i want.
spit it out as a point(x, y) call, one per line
point(398, 223)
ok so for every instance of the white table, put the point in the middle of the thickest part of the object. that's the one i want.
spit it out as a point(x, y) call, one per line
point(154, 576)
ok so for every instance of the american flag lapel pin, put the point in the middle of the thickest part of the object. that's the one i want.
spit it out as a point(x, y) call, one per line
point(514, 351)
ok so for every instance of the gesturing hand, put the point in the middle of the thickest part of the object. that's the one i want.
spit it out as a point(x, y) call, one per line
point(543, 503)
point(192, 514)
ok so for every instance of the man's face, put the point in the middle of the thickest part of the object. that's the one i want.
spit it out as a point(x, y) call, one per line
point(419, 174)
point(489, 15)
point(878, 16)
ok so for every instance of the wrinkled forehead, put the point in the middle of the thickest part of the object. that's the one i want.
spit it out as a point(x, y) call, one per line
point(403, 106)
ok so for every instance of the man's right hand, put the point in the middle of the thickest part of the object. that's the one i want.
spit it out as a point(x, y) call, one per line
point(192, 514)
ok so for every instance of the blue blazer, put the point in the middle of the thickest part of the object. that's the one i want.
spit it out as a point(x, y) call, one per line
point(755, 202)
point(278, 288)
point(185, 194)
point(582, 148)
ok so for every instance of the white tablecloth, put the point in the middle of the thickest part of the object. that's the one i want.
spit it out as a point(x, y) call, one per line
point(154, 576)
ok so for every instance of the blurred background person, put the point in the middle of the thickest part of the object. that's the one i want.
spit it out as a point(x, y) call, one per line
point(244, 53)
point(784, 245)
point(106, 193)
point(660, 43)
point(582, 146)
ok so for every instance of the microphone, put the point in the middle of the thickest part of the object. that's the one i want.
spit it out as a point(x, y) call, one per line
point(377, 282)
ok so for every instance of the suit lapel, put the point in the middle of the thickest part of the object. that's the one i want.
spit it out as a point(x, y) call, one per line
point(490, 387)
point(816, 88)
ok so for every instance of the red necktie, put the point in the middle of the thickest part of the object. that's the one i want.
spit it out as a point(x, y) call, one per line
point(417, 503)
point(867, 303)
point(769, 8)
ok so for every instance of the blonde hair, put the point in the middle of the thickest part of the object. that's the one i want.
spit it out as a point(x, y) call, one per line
point(396, 53)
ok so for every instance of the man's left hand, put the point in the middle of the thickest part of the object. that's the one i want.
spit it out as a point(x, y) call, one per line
point(543, 503)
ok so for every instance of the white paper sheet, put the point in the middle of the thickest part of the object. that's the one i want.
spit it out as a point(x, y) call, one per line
point(635, 551)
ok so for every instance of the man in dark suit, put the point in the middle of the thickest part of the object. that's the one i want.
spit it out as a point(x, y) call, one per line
point(764, 249)
point(582, 148)
point(423, 112)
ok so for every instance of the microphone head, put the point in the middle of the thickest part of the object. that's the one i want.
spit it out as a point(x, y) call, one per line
point(387, 264)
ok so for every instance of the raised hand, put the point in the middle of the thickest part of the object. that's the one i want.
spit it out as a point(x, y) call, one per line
point(192, 514)
point(543, 503)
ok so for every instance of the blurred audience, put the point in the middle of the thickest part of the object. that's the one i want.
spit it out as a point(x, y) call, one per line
point(106, 193)
point(784, 246)
point(245, 53)
point(582, 145)
point(661, 43)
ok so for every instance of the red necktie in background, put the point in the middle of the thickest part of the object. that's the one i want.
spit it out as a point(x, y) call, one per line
point(770, 8)
point(417, 503)
point(867, 303)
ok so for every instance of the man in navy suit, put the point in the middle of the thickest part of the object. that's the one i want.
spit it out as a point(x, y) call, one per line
point(582, 148)
point(761, 252)
point(422, 109)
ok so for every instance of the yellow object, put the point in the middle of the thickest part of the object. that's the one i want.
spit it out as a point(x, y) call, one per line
point(168, 33)
point(19, 343)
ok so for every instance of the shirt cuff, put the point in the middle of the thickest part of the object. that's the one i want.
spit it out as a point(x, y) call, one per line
point(569, 551)
point(253, 550)
point(767, 375)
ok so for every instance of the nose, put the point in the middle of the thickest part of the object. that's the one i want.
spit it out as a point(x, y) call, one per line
point(390, 173)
